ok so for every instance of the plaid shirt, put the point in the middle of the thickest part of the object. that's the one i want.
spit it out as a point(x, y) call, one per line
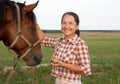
point(74, 51)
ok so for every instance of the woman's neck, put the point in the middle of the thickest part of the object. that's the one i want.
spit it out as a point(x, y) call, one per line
point(68, 37)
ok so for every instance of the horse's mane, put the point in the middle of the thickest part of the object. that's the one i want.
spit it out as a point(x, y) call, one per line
point(3, 12)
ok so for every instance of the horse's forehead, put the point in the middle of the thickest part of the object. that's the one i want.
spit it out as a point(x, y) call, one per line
point(9, 14)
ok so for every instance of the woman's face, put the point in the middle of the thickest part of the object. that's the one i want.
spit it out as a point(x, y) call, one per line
point(69, 26)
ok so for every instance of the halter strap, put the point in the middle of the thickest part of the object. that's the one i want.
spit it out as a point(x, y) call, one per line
point(18, 26)
point(19, 34)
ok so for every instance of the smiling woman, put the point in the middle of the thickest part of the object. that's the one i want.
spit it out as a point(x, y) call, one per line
point(70, 57)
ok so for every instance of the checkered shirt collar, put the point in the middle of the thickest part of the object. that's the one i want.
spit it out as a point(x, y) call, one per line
point(72, 40)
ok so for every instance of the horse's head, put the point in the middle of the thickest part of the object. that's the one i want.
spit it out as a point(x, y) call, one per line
point(18, 30)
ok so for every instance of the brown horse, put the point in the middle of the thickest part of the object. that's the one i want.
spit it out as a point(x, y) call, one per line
point(18, 30)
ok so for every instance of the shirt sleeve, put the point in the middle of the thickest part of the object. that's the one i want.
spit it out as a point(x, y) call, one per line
point(83, 57)
point(49, 42)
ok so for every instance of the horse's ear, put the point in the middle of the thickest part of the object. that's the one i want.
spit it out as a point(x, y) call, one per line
point(29, 8)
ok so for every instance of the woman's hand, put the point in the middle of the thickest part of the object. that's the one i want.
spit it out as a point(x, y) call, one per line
point(56, 63)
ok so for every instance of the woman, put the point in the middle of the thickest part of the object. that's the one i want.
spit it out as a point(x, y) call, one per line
point(70, 57)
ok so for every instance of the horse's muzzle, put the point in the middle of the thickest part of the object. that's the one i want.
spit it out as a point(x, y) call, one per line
point(34, 60)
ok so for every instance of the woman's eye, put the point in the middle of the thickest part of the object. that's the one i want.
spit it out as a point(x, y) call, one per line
point(64, 23)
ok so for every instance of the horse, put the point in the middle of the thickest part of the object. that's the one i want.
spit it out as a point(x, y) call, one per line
point(18, 30)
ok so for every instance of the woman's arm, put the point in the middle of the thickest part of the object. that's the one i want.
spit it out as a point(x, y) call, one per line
point(40, 34)
point(75, 68)
point(45, 40)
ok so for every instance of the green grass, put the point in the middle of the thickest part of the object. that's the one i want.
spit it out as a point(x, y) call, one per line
point(104, 50)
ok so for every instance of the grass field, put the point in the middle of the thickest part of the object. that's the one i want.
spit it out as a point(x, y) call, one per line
point(104, 50)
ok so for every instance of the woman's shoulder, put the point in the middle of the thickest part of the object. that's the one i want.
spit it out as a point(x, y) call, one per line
point(81, 41)
point(77, 39)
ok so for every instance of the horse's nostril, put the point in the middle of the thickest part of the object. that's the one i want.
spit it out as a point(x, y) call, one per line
point(35, 58)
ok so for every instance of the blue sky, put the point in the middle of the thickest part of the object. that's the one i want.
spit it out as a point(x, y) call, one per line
point(94, 14)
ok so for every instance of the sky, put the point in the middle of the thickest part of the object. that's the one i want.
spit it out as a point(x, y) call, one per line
point(93, 14)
